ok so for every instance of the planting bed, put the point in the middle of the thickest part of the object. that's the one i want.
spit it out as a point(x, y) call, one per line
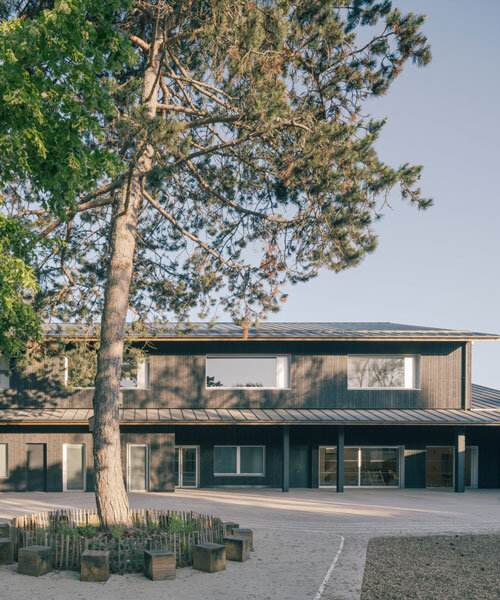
point(70, 532)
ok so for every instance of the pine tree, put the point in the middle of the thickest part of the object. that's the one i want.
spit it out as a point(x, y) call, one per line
point(192, 155)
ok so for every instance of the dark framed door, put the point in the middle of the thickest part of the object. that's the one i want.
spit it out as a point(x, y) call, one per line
point(186, 466)
point(36, 467)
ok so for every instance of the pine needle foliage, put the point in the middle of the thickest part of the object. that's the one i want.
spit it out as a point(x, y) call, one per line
point(264, 166)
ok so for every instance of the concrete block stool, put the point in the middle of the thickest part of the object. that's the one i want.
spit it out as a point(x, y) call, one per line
point(6, 551)
point(230, 525)
point(4, 528)
point(209, 557)
point(35, 560)
point(159, 564)
point(237, 547)
point(244, 533)
point(94, 565)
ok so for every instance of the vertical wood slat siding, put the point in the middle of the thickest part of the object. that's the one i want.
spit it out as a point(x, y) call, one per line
point(54, 445)
point(318, 374)
point(316, 380)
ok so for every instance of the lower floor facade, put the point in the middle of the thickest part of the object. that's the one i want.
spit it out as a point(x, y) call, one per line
point(159, 458)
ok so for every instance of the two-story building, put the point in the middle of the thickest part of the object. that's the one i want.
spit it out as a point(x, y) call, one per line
point(289, 405)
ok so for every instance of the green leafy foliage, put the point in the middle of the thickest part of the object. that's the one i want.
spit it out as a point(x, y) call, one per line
point(55, 95)
point(18, 285)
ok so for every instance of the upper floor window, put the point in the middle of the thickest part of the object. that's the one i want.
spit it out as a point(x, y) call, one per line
point(4, 374)
point(134, 375)
point(382, 372)
point(255, 371)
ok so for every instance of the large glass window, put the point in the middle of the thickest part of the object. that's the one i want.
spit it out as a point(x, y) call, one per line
point(74, 467)
point(327, 466)
point(238, 460)
point(225, 459)
point(379, 466)
point(375, 372)
point(363, 467)
point(4, 465)
point(81, 374)
point(135, 377)
point(247, 372)
point(351, 466)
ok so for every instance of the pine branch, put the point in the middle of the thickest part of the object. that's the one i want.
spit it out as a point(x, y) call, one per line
point(189, 235)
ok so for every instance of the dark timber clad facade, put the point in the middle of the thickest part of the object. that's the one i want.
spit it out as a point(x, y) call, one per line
point(401, 437)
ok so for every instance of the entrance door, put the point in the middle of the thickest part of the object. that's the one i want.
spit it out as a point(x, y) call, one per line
point(36, 468)
point(138, 468)
point(74, 467)
point(440, 466)
point(186, 466)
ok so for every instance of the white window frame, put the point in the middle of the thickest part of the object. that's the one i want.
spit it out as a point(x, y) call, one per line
point(65, 467)
point(4, 379)
point(6, 461)
point(147, 482)
point(401, 465)
point(282, 371)
point(181, 482)
point(144, 365)
point(411, 371)
point(238, 460)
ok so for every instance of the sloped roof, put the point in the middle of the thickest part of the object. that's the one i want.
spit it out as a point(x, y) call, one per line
point(485, 411)
point(302, 330)
point(484, 398)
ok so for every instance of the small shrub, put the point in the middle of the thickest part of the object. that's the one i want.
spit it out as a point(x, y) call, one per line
point(117, 531)
point(177, 525)
point(87, 530)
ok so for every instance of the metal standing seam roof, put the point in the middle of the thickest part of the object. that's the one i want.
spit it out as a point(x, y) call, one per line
point(324, 331)
point(485, 411)
point(484, 398)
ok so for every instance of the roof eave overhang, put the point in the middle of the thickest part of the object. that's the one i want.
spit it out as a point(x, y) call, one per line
point(258, 423)
point(461, 339)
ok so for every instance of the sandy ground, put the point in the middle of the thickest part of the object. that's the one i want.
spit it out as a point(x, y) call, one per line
point(462, 567)
point(297, 536)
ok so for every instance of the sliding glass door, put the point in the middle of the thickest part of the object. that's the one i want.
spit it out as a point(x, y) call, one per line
point(363, 466)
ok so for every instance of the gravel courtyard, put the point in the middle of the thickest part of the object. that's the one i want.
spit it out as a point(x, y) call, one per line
point(297, 536)
point(462, 567)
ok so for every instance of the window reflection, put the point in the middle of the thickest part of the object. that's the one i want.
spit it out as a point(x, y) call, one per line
point(246, 372)
point(365, 467)
point(365, 372)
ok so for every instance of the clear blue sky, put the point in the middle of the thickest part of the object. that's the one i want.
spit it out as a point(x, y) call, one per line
point(439, 267)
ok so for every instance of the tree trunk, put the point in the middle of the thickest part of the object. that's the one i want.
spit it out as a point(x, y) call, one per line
point(111, 495)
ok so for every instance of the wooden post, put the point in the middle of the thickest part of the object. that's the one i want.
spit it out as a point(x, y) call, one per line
point(460, 461)
point(286, 459)
point(340, 458)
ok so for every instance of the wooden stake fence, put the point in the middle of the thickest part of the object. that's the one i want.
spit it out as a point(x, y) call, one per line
point(126, 553)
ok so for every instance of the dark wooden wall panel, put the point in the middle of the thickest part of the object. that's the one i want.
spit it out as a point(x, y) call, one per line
point(54, 445)
point(318, 379)
point(161, 457)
